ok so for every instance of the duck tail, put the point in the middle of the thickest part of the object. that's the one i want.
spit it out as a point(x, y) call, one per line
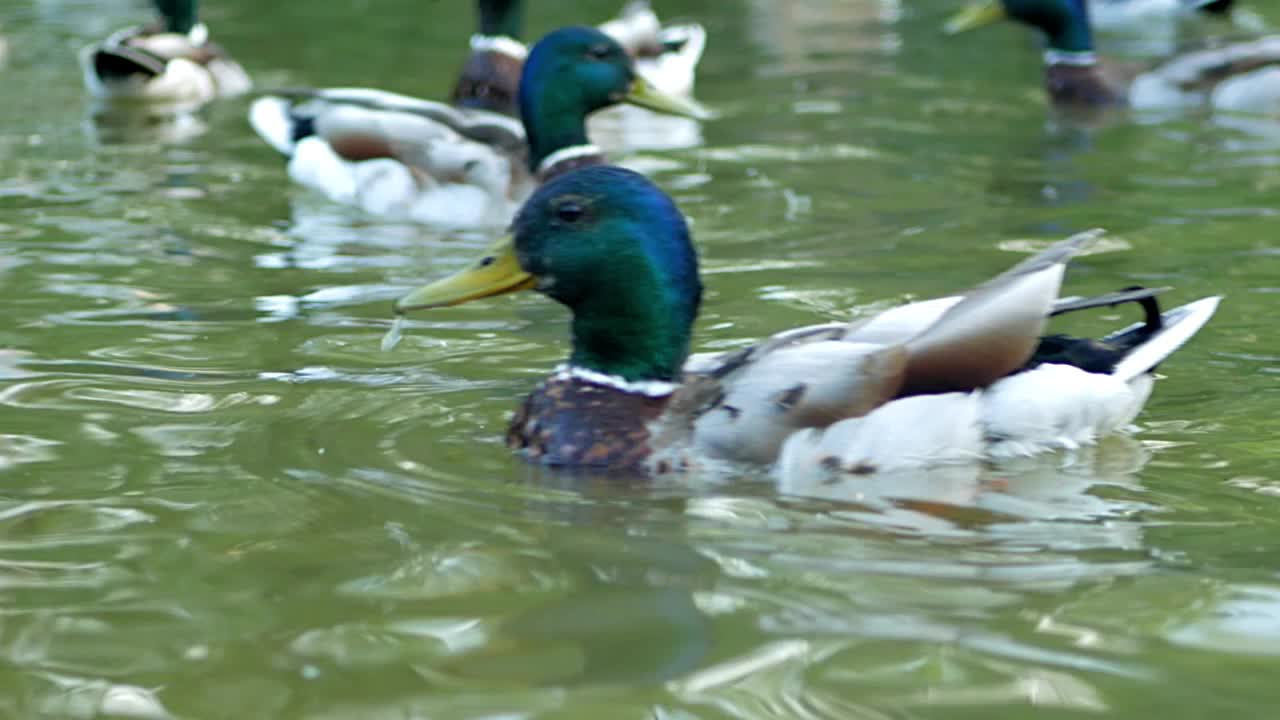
point(1144, 296)
point(1132, 351)
point(1212, 7)
point(686, 40)
point(114, 62)
point(1158, 336)
point(275, 120)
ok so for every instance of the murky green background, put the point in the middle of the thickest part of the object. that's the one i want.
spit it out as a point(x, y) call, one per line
point(215, 488)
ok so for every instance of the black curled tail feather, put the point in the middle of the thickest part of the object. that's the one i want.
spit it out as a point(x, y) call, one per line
point(1100, 356)
point(120, 62)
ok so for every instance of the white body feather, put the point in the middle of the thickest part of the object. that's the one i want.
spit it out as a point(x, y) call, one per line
point(1057, 407)
point(914, 432)
point(1252, 92)
point(1191, 78)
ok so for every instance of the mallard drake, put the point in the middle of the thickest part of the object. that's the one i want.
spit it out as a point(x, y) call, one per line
point(403, 158)
point(665, 55)
point(170, 61)
point(1237, 77)
point(490, 77)
point(954, 379)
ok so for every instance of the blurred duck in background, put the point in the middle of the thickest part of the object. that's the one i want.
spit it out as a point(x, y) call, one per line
point(466, 163)
point(171, 61)
point(1159, 28)
point(1146, 16)
point(665, 56)
point(1241, 77)
point(490, 77)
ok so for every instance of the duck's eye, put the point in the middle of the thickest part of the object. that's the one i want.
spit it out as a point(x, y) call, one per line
point(570, 212)
point(599, 52)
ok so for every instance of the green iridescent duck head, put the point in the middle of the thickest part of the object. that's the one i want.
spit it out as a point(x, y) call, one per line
point(573, 72)
point(607, 243)
point(179, 15)
point(1064, 22)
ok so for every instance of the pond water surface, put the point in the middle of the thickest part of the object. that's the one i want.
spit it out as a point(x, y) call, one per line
point(220, 499)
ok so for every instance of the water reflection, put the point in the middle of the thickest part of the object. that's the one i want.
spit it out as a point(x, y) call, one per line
point(117, 123)
point(1065, 501)
point(808, 36)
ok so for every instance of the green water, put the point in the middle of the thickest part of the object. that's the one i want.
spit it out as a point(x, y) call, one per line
point(216, 489)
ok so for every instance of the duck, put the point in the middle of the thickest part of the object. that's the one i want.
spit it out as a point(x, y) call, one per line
point(1235, 77)
point(665, 55)
point(490, 76)
point(401, 158)
point(956, 379)
point(169, 61)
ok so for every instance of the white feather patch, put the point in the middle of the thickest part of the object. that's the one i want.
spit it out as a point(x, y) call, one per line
point(504, 44)
point(914, 432)
point(1064, 57)
point(1056, 407)
point(651, 388)
point(569, 153)
point(269, 117)
point(315, 165)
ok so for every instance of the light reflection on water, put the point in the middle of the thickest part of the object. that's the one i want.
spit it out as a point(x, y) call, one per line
point(221, 500)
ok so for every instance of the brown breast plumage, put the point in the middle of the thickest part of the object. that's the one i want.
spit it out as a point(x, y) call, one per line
point(576, 422)
point(1080, 86)
point(489, 81)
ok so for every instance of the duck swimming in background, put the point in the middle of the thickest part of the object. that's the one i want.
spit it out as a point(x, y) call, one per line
point(1237, 77)
point(1142, 16)
point(431, 163)
point(956, 379)
point(171, 61)
point(665, 56)
point(490, 77)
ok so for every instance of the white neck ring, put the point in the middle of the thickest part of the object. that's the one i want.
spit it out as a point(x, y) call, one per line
point(650, 388)
point(1083, 58)
point(504, 44)
point(569, 153)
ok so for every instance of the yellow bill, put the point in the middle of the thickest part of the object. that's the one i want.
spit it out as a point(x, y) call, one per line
point(496, 273)
point(643, 94)
point(975, 16)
